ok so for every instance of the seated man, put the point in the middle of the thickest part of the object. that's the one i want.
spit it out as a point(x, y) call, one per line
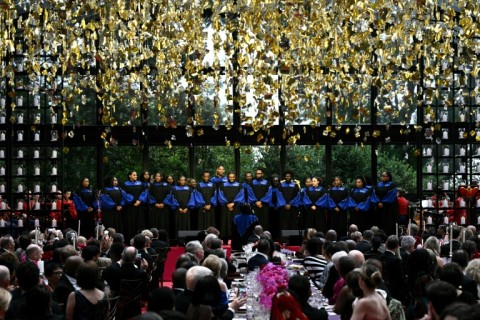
point(261, 258)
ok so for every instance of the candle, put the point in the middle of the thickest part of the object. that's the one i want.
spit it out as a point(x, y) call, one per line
point(20, 223)
point(446, 152)
point(444, 117)
point(3, 206)
point(408, 228)
point(54, 205)
point(445, 185)
point(36, 136)
point(462, 117)
point(462, 168)
point(429, 151)
point(98, 228)
point(451, 240)
point(54, 188)
point(54, 118)
point(2, 188)
point(74, 236)
point(478, 202)
point(54, 153)
point(445, 168)
point(20, 205)
point(36, 233)
point(20, 67)
point(54, 223)
point(20, 135)
point(36, 101)
point(37, 223)
point(2, 154)
point(429, 185)
point(445, 203)
point(462, 203)
point(445, 134)
point(2, 223)
point(445, 220)
point(462, 221)
point(37, 205)
point(20, 153)
point(462, 151)
point(20, 118)
point(20, 171)
point(36, 188)
point(461, 134)
point(20, 188)
point(396, 229)
point(37, 118)
point(2, 171)
point(78, 232)
point(54, 171)
point(429, 168)
point(2, 136)
point(37, 171)
point(36, 154)
point(429, 220)
point(2, 119)
point(478, 220)
point(2, 102)
point(20, 101)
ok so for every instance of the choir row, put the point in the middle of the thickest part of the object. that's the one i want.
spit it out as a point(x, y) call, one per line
point(135, 203)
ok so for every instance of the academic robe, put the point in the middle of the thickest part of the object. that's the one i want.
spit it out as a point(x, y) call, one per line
point(182, 198)
point(133, 217)
point(359, 204)
point(337, 213)
point(315, 196)
point(288, 193)
point(262, 190)
point(112, 201)
point(208, 193)
point(84, 199)
point(387, 216)
point(242, 229)
point(146, 205)
point(159, 194)
point(229, 192)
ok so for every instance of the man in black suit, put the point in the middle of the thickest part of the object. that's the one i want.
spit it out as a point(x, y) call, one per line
point(257, 232)
point(407, 247)
point(365, 243)
point(182, 300)
point(468, 284)
point(68, 281)
point(299, 287)
point(393, 269)
point(160, 239)
point(445, 248)
point(179, 280)
point(261, 258)
point(130, 271)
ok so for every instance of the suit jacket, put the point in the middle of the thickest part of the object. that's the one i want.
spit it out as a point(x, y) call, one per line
point(363, 246)
point(470, 285)
point(257, 260)
point(158, 244)
point(394, 275)
point(182, 301)
point(445, 248)
point(62, 290)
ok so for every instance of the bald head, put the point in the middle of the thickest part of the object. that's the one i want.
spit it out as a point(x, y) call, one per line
point(129, 254)
point(34, 252)
point(4, 277)
point(194, 274)
point(71, 265)
point(357, 257)
point(258, 230)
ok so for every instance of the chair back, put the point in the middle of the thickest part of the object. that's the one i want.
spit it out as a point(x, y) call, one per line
point(129, 299)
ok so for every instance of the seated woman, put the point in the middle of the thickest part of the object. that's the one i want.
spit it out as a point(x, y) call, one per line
point(314, 261)
point(243, 225)
point(370, 304)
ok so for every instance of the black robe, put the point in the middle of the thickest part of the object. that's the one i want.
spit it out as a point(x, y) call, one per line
point(113, 217)
point(133, 219)
point(206, 218)
point(338, 220)
point(159, 217)
point(315, 218)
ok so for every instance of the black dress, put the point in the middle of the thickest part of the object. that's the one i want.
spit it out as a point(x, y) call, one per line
point(159, 217)
point(133, 218)
point(85, 310)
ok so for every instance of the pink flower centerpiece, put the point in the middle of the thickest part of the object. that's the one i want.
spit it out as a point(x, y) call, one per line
point(272, 278)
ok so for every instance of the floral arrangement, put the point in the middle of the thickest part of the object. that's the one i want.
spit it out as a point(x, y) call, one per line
point(272, 278)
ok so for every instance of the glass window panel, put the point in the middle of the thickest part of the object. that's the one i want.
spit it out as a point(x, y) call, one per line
point(168, 161)
point(118, 161)
point(80, 100)
point(352, 106)
point(350, 161)
point(397, 102)
point(212, 107)
point(79, 162)
point(210, 157)
point(306, 161)
point(266, 157)
point(402, 163)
